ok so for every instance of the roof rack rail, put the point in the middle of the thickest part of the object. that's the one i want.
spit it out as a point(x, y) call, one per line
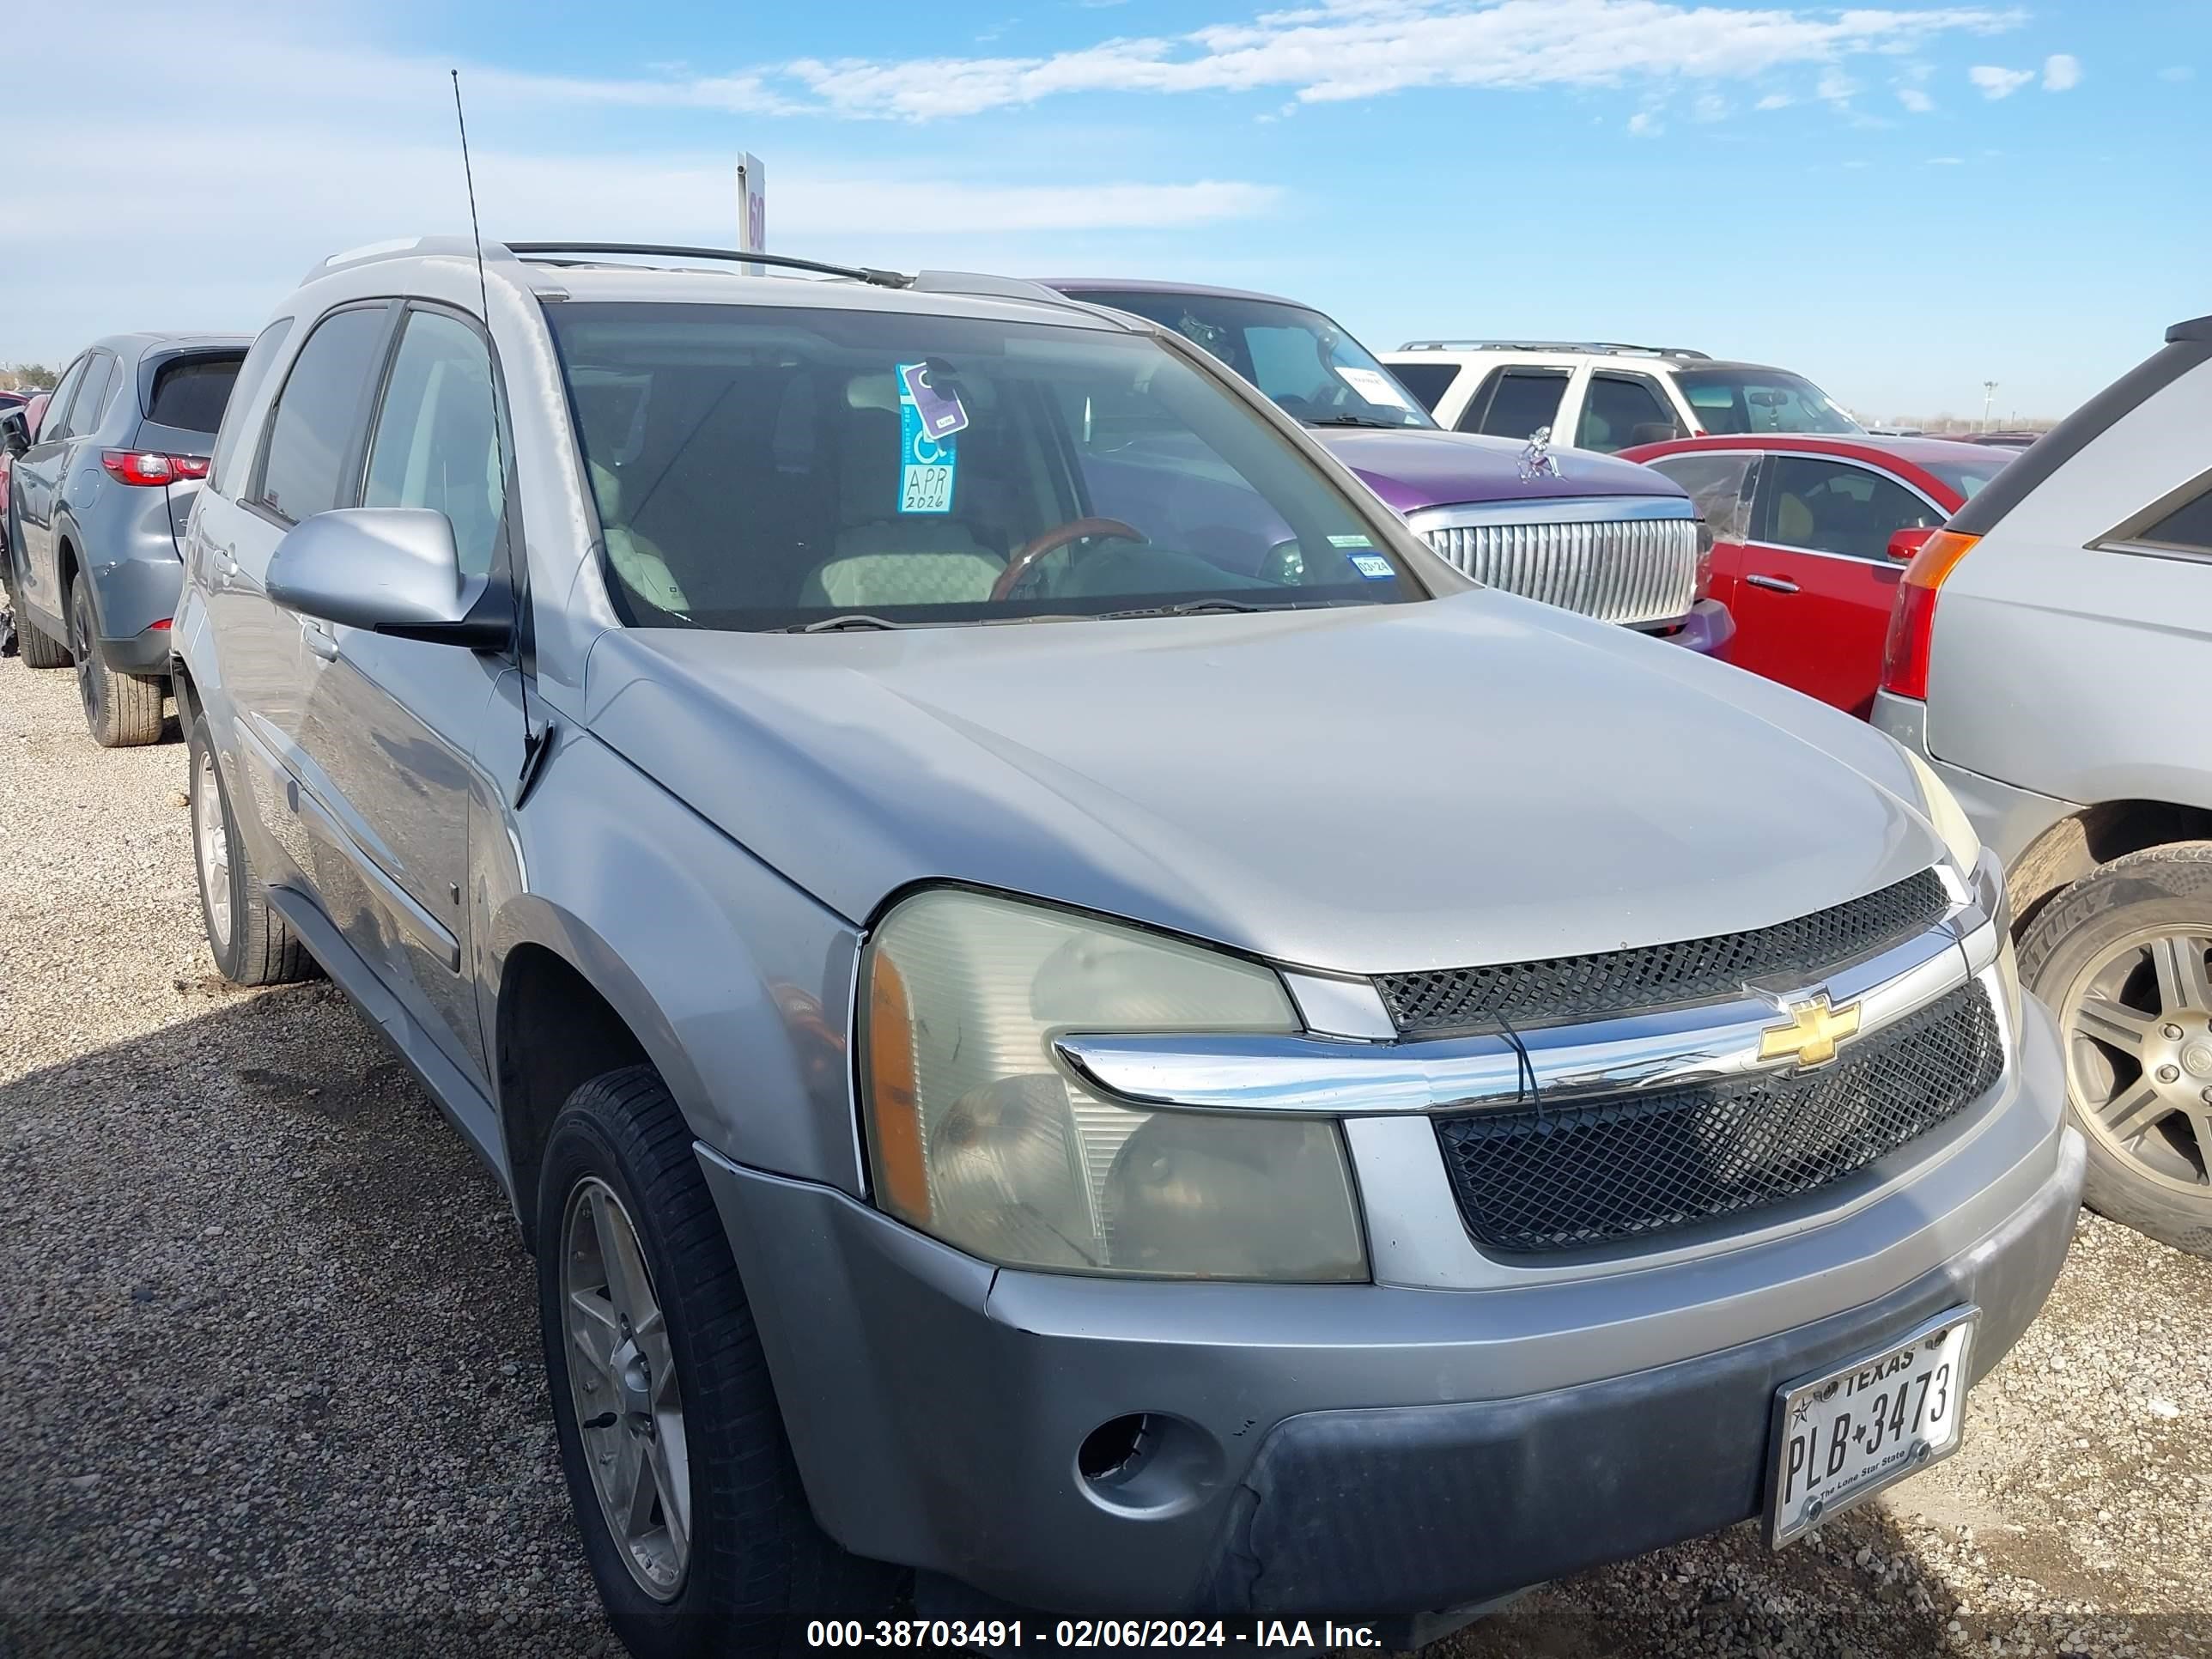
point(985, 285)
point(1594, 348)
point(542, 253)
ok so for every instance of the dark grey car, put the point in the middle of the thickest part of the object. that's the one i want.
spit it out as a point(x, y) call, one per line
point(96, 512)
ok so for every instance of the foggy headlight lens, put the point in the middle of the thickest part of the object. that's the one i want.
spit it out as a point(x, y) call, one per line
point(1950, 819)
point(977, 1135)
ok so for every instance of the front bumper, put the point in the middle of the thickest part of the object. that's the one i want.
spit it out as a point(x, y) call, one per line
point(1355, 1449)
point(1706, 630)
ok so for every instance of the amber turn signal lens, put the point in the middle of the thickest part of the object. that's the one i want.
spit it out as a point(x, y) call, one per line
point(897, 1120)
point(1912, 613)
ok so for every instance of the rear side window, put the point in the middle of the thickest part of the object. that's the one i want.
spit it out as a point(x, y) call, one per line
point(318, 414)
point(189, 392)
point(1427, 381)
point(2187, 527)
point(1516, 402)
point(251, 374)
point(1620, 409)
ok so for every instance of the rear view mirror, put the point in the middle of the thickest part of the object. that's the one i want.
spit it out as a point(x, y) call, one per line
point(15, 432)
point(388, 569)
point(1905, 543)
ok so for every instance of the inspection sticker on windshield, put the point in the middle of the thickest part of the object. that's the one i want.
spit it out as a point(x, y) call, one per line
point(1350, 541)
point(1373, 566)
point(929, 458)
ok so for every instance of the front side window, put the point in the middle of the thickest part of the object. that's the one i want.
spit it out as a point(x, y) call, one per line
point(313, 427)
point(758, 469)
point(1516, 403)
point(436, 443)
point(1311, 367)
point(1728, 401)
point(1833, 507)
point(1719, 486)
point(1620, 409)
point(237, 409)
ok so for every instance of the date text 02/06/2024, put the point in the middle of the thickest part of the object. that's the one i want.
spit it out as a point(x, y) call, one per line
point(953, 1635)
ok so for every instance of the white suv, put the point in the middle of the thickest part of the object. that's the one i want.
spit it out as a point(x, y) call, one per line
point(1596, 395)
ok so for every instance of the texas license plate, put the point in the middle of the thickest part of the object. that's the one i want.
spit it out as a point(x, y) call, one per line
point(1841, 1436)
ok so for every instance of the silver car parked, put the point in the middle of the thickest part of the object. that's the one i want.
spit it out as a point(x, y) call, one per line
point(2043, 655)
point(96, 509)
point(1029, 1054)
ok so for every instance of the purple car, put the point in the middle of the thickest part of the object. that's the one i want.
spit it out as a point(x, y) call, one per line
point(1608, 538)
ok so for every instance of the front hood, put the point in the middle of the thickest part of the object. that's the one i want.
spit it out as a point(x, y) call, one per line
point(1413, 468)
point(1476, 779)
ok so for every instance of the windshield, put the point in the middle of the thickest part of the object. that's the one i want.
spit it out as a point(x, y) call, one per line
point(1305, 362)
point(1734, 400)
point(1967, 476)
point(758, 468)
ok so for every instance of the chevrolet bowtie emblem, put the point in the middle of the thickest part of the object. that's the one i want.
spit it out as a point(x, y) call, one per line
point(1813, 1030)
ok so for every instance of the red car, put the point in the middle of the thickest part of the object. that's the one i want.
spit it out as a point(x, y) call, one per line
point(1810, 536)
point(34, 407)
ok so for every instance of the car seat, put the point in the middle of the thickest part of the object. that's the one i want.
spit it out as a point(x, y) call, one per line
point(884, 557)
point(636, 559)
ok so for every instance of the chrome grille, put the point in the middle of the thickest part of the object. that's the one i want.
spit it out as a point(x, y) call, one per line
point(1636, 571)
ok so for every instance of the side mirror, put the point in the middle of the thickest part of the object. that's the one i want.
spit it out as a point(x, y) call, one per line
point(391, 570)
point(1906, 543)
point(15, 432)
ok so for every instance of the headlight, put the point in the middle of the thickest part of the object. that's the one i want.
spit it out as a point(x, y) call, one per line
point(977, 1134)
point(1950, 819)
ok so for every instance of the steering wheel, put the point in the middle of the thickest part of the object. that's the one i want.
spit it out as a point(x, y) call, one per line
point(1026, 555)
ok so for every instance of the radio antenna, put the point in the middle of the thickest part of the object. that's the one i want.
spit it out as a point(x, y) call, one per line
point(536, 733)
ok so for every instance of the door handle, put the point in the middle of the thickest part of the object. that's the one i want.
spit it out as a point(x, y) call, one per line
point(320, 638)
point(226, 566)
point(1773, 584)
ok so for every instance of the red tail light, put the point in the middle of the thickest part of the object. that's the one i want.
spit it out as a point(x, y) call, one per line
point(145, 467)
point(1912, 613)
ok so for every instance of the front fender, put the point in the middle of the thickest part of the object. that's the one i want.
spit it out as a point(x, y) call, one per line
point(738, 985)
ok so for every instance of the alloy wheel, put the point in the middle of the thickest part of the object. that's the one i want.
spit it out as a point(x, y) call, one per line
point(621, 1382)
point(212, 839)
point(2138, 1024)
point(87, 682)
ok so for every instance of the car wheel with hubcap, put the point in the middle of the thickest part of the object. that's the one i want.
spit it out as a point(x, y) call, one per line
point(251, 943)
point(2123, 958)
point(121, 711)
point(661, 1394)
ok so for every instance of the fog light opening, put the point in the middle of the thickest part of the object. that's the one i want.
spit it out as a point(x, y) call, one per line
point(1115, 1450)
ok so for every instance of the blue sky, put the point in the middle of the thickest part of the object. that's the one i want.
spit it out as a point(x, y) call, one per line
point(1901, 200)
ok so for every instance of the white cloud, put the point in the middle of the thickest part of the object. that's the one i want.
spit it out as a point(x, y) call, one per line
point(1835, 87)
point(1915, 99)
point(1996, 83)
point(1644, 124)
point(2062, 72)
point(2177, 72)
point(1338, 50)
point(1944, 161)
point(1775, 100)
point(1710, 106)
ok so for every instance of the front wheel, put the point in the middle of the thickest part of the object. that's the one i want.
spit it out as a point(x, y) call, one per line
point(693, 1518)
point(2123, 958)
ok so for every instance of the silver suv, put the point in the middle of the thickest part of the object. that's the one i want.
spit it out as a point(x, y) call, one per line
point(1028, 1053)
point(2034, 643)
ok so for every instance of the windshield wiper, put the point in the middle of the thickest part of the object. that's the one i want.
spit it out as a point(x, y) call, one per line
point(834, 624)
point(1358, 420)
point(1189, 608)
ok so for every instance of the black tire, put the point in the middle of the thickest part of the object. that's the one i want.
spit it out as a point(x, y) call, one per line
point(759, 1566)
point(121, 711)
point(258, 946)
point(2162, 888)
point(37, 648)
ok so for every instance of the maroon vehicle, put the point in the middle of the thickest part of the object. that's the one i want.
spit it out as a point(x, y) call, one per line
point(1810, 537)
point(32, 406)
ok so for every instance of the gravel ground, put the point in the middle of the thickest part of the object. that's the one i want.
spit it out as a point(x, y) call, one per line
point(269, 1377)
